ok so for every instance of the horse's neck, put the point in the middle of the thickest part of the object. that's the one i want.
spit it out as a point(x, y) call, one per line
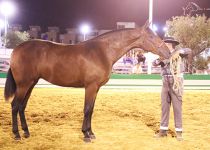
point(119, 46)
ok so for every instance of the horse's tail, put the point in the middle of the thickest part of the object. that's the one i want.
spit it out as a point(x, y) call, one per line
point(10, 85)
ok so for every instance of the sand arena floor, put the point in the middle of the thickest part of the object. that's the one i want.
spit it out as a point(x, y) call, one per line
point(122, 119)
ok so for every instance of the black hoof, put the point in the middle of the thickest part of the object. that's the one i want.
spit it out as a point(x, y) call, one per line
point(17, 137)
point(26, 134)
point(92, 136)
point(87, 140)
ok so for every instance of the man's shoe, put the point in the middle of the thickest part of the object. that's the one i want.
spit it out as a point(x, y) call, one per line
point(179, 136)
point(161, 133)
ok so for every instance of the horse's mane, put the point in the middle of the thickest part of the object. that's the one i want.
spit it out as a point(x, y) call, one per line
point(113, 31)
point(95, 38)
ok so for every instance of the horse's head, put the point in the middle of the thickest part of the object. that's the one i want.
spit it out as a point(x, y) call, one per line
point(151, 42)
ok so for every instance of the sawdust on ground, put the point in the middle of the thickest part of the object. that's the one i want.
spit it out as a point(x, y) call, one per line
point(122, 119)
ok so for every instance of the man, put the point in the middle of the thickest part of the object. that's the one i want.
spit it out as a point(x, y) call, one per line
point(172, 89)
point(140, 61)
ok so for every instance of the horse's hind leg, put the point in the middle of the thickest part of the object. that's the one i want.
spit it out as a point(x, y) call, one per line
point(17, 104)
point(19, 97)
point(22, 107)
point(90, 96)
point(15, 108)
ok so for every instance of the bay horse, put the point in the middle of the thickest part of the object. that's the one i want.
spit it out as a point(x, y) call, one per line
point(87, 64)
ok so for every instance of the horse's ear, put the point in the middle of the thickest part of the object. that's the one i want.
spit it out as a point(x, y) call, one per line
point(147, 24)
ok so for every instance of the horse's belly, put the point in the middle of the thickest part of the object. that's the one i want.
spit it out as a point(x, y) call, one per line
point(66, 82)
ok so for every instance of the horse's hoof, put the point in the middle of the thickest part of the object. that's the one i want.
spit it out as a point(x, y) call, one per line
point(17, 138)
point(87, 140)
point(92, 136)
point(26, 134)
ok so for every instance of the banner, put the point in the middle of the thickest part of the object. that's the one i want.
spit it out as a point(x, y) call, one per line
point(5, 55)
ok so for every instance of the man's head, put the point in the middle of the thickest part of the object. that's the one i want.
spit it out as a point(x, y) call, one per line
point(171, 42)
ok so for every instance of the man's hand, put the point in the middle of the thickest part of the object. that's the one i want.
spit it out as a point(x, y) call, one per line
point(158, 62)
point(184, 52)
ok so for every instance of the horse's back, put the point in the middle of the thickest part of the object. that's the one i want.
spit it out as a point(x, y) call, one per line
point(27, 58)
point(29, 51)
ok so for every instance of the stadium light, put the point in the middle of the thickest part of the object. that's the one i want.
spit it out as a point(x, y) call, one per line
point(85, 29)
point(154, 28)
point(7, 9)
point(165, 29)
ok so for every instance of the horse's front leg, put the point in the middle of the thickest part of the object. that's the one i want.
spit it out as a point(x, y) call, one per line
point(90, 96)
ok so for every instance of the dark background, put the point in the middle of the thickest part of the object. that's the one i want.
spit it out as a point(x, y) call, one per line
point(100, 14)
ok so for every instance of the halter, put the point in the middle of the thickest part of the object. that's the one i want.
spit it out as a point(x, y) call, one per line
point(161, 44)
